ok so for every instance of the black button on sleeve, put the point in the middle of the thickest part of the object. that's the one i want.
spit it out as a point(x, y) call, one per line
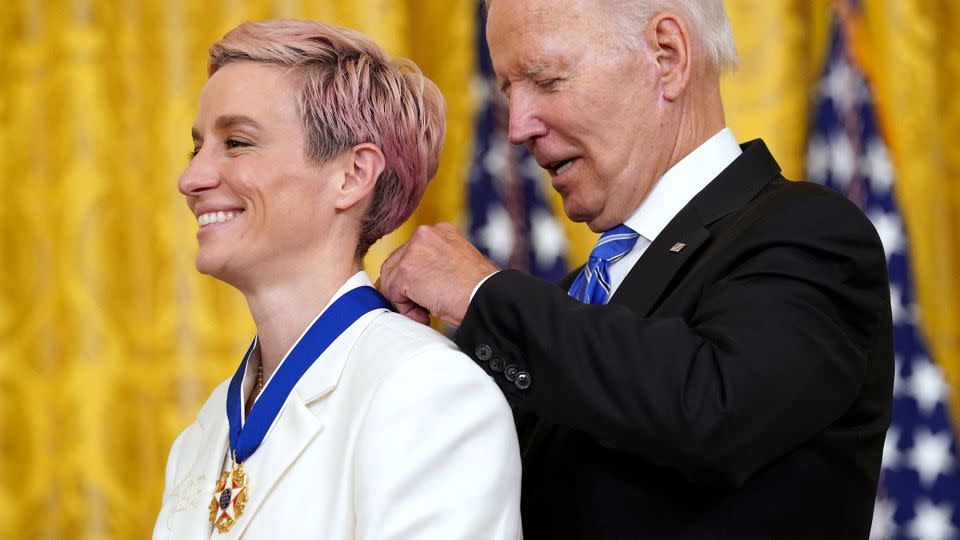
point(483, 352)
point(511, 373)
point(497, 364)
point(523, 380)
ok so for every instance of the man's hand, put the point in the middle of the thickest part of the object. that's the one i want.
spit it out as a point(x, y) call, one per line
point(434, 272)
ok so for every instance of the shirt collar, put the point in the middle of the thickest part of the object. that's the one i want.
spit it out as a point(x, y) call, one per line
point(682, 182)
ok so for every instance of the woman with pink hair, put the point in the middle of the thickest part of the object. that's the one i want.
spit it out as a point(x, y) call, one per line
point(344, 419)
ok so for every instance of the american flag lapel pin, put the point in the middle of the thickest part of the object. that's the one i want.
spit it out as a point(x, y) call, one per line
point(677, 247)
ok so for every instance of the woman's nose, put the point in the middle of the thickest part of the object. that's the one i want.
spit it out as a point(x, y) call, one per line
point(200, 175)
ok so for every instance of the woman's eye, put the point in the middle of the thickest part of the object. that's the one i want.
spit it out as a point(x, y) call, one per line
point(235, 143)
point(193, 153)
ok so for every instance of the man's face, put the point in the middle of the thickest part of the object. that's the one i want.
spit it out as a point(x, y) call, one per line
point(587, 108)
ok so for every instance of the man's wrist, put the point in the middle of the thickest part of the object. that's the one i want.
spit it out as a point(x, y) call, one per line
point(481, 282)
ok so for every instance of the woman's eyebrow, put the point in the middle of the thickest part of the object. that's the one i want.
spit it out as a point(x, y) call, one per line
point(226, 122)
point(234, 120)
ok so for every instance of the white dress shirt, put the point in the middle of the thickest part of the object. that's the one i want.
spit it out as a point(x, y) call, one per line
point(674, 190)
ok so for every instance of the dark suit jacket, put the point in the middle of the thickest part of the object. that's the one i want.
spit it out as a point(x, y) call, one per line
point(738, 388)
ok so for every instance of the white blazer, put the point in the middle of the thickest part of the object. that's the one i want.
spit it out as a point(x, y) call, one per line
point(391, 434)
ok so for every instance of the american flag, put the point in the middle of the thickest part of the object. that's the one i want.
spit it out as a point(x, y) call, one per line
point(919, 491)
point(509, 219)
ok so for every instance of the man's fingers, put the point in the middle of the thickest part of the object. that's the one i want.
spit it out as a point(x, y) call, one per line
point(420, 315)
point(387, 283)
point(414, 312)
point(391, 261)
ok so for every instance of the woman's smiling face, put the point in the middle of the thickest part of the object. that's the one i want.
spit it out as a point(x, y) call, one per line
point(261, 205)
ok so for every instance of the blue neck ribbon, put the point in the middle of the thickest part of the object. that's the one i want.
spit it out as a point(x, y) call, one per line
point(246, 438)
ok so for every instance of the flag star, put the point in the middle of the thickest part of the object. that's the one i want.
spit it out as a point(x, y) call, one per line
point(529, 168)
point(480, 89)
point(896, 304)
point(891, 453)
point(844, 86)
point(549, 241)
point(932, 522)
point(883, 525)
point(495, 160)
point(878, 166)
point(930, 455)
point(818, 159)
point(926, 384)
point(890, 229)
point(497, 235)
point(842, 162)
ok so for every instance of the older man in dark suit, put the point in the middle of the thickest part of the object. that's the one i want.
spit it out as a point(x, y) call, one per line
point(721, 366)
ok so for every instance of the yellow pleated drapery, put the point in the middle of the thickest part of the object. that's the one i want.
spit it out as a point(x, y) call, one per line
point(110, 340)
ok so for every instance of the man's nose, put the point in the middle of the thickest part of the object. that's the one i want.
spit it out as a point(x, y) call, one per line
point(525, 121)
point(200, 175)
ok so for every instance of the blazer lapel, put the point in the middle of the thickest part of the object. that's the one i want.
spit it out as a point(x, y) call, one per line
point(288, 437)
point(299, 423)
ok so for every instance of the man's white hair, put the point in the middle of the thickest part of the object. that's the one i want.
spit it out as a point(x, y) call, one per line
point(706, 20)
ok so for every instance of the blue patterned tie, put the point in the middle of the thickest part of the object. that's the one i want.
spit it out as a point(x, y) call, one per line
point(592, 285)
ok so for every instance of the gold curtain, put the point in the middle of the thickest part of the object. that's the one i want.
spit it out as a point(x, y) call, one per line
point(110, 340)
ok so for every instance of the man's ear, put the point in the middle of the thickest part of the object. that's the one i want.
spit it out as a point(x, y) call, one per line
point(361, 174)
point(667, 36)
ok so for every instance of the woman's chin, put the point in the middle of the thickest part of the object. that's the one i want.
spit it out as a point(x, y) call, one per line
point(212, 266)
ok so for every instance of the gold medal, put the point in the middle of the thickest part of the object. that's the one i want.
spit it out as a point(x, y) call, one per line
point(229, 498)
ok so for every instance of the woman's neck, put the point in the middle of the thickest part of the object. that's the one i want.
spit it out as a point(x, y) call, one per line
point(283, 309)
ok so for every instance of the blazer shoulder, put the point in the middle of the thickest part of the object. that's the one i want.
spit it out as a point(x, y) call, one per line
point(813, 207)
point(402, 337)
point(808, 195)
point(393, 344)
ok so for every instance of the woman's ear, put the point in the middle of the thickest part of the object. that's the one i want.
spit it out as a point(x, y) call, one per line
point(667, 35)
point(360, 177)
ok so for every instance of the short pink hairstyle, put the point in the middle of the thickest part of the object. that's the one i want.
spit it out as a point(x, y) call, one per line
point(350, 93)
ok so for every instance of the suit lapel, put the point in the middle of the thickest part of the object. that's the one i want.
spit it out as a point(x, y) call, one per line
point(688, 232)
point(659, 263)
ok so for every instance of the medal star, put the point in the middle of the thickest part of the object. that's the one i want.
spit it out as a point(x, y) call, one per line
point(229, 499)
